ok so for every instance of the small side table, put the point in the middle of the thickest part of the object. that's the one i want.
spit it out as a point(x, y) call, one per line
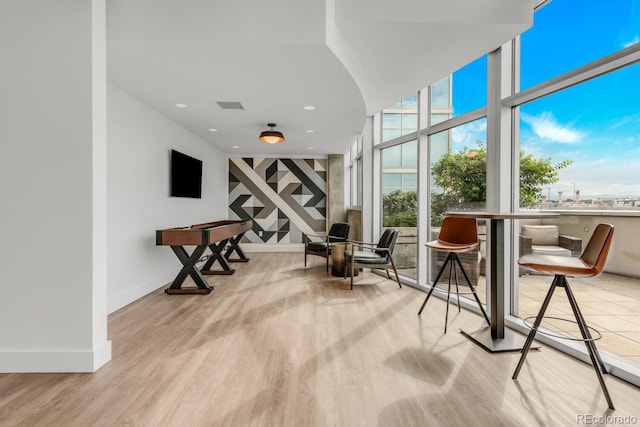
point(338, 263)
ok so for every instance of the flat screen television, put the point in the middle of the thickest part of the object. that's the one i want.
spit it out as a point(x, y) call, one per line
point(186, 176)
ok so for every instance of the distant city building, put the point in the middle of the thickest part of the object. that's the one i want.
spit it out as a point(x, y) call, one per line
point(596, 203)
point(400, 162)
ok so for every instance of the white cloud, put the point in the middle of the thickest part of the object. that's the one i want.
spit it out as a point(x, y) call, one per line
point(625, 121)
point(635, 40)
point(602, 177)
point(546, 127)
point(461, 138)
point(467, 135)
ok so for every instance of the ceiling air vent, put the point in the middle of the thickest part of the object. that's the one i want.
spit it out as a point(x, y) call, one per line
point(226, 105)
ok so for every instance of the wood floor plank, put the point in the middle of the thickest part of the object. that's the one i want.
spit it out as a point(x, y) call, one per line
point(277, 344)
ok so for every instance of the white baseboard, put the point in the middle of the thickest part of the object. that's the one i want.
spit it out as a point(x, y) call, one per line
point(101, 355)
point(55, 361)
point(266, 247)
point(135, 293)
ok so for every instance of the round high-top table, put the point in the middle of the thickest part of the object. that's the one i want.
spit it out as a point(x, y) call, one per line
point(338, 263)
point(499, 339)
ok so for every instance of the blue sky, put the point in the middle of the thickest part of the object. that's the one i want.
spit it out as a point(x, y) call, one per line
point(595, 124)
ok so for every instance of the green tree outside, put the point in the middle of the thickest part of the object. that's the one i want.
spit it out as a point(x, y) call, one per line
point(462, 182)
point(461, 178)
point(400, 209)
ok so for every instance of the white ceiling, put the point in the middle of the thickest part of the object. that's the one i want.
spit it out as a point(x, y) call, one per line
point(348, 58)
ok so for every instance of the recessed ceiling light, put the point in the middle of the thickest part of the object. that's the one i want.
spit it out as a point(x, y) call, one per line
point(235, 147)
point(213, 130)
point(179, 105)
point(309, 131)
point(309, 107)
point(310, 148)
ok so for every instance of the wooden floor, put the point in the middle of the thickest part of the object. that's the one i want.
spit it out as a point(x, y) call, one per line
point(280, 345)
point(610, 303)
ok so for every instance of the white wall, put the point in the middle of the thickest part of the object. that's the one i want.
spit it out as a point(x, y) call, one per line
point(139, 143)
point(52, 180)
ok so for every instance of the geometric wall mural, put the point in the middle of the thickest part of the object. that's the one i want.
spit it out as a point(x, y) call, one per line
point(284, 197)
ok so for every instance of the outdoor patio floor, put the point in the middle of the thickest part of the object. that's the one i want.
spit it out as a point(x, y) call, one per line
point(609, 303)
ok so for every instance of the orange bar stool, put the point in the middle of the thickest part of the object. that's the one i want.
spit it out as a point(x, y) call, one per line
point(457, 235)
point(589, 264)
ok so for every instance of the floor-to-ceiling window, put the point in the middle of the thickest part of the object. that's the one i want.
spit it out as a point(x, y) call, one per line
point(399, 172)
point(457, 156)
point(355, 173)
point(577, 130)
point(400, 201)
point(575, 134)
point(458, 167)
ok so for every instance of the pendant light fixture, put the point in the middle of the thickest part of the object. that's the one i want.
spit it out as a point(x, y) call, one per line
point(271, 136)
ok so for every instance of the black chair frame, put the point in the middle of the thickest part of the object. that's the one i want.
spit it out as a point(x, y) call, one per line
point(338, 232)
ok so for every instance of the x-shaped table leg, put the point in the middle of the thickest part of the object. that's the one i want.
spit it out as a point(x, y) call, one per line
point(235, 247)
point(216, 255)
point(189, 269)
